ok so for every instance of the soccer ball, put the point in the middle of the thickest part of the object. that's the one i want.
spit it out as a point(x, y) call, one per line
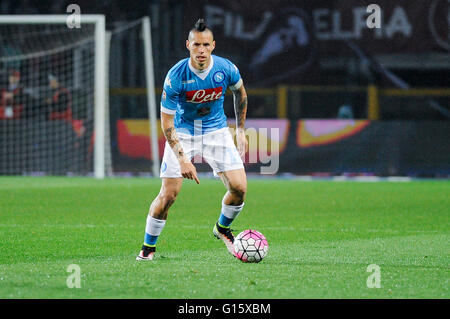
point(250, 246)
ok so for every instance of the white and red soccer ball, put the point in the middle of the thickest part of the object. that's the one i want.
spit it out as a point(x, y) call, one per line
point(250, 246)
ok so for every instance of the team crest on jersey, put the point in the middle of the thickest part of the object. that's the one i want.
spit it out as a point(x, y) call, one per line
point(204, 96)
point(218, 77)
point(163, 167)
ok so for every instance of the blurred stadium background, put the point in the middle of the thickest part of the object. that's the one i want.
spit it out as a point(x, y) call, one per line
point(347, 100)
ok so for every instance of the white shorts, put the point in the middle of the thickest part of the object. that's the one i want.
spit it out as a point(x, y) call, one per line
point(217, 149)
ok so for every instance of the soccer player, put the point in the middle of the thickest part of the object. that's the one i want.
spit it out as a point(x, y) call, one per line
point(194, 123)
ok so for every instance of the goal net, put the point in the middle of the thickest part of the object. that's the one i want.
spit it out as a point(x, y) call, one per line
point(52, 93)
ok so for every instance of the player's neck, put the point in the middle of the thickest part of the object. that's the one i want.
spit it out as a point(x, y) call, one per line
point(200, 67)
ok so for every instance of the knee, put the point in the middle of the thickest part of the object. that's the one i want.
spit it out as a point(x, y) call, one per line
point(239, 191)
point(167, 198)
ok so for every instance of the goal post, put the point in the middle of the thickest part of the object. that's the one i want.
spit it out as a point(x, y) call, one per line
point(39, 40)
point(151, 98)
point(132, 67)
point(100, 95)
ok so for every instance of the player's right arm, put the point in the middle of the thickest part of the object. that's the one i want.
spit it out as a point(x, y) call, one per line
point(187, 168)
point(169, 102)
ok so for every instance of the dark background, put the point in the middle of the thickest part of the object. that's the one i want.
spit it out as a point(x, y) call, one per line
point(415, 55)
point(299, 60)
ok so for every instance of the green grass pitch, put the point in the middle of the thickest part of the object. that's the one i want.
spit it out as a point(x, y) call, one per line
point(322, 237)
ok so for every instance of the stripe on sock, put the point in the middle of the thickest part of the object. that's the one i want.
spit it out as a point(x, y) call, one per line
point(150, 240)
point(228, 214)
point(224, 221)
point(153, 229)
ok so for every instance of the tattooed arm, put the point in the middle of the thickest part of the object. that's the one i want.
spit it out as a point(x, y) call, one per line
point(171, 135)
point(240, 109)
point(187, 168)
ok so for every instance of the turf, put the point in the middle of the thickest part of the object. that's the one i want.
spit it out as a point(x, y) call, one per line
point(322, 237)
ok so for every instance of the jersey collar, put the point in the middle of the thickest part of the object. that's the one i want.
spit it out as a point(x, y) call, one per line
point(201, 74)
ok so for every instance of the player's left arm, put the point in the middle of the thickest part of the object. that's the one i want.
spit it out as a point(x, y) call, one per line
point(240, 110)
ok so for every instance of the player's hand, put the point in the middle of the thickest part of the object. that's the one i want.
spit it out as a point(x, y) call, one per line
point(242, 143)
point(188, 171)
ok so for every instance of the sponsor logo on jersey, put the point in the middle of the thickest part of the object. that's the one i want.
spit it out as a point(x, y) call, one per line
point(188, 81)
point(204, 96)
point(218, 77)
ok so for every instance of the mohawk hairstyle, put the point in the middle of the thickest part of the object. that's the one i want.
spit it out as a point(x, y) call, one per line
point(200, 25)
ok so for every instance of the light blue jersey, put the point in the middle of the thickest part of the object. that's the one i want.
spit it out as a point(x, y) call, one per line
point(198, 96)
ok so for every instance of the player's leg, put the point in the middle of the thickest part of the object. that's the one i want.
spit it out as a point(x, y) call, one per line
point(233, 201)
point(157, 215)
point(156, 219)
point(232, 204)
point(224, 159)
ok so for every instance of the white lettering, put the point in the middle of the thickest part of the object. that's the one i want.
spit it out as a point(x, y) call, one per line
point(73, 20)
point(264, 157)
point(195, 309)
point(374, 19)
point(374, 280)
point(74, 279)
point(200, 96)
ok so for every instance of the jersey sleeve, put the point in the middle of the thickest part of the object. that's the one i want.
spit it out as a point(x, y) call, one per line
point(170, 96)
point(235, 77)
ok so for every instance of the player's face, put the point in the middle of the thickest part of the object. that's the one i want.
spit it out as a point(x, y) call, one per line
point(200, 46)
